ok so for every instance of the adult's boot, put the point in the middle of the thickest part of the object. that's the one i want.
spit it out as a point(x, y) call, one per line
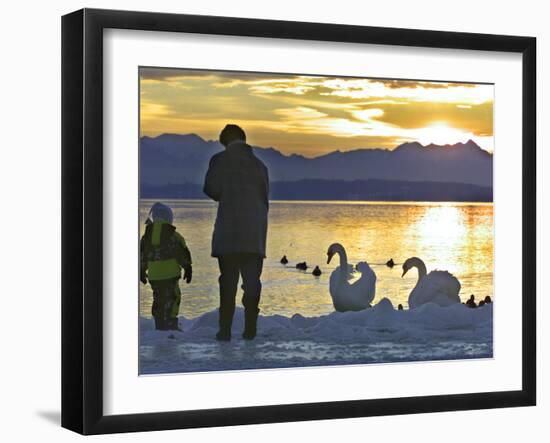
point(250, 323)
point(225, 321)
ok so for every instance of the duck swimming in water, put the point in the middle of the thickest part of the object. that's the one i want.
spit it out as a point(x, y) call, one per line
point(316, 272)
point(471, 303)
point(284, 260)
point(302, 266)
point(390, 263)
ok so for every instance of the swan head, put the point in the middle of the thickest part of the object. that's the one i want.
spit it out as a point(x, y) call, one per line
point(413, 262)
point(335, 248)
point(406, 267)
point(332, 250)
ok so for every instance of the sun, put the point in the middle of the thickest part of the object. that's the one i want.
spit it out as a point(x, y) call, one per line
point(440, 133)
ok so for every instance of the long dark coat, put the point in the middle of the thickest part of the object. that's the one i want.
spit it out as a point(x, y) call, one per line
point(239, 182)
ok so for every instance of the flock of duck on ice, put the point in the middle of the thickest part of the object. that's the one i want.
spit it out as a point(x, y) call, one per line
point(438, 287)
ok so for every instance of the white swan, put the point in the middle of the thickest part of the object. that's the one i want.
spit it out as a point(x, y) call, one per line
point(439, 287)
point(346, 296)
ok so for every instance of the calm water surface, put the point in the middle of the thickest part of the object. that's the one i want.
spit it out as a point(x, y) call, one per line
point(457, 237)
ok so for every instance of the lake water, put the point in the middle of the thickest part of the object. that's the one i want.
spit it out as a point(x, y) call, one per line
point(457, 237)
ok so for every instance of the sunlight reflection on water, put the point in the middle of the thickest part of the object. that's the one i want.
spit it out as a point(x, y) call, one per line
point(457, 237)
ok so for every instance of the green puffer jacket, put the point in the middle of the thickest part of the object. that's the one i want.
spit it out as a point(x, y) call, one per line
point(163, 252)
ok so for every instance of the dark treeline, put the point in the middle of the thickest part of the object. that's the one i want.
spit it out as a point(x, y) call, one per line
point(370, 190)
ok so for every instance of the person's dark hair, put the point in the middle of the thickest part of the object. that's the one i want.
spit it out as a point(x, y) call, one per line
point(231, 133)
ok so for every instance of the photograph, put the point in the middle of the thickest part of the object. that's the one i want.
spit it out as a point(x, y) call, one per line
point(291, 220)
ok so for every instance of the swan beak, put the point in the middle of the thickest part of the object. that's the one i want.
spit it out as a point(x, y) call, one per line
point(404, 272)
point(329, 258)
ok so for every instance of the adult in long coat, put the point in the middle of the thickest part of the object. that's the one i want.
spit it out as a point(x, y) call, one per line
point(239, 182)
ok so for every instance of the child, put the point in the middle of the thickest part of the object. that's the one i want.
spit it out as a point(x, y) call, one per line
point(163, 253)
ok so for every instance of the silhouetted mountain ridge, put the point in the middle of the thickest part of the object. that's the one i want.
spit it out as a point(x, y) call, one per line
point(183, 158)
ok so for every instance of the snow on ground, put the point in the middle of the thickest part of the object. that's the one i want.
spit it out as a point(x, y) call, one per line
point(378, 335)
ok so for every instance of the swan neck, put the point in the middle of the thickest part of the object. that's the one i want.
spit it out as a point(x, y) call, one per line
point(343, 260)
point(421, 269)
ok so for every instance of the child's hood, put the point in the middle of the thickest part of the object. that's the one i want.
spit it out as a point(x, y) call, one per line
point(160, 211)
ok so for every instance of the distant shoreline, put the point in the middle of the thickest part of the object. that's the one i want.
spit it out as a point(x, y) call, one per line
point(342, 190)
point(271, 200)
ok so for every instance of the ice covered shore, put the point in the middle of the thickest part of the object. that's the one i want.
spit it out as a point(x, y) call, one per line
point(378, 335)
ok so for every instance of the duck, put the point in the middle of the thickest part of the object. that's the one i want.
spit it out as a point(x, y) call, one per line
point(399, 307)
point(488, 299)
point(471, 303)
point(316, 272)
point(390, 263)
point(284, 260)
point(481, 303)
point(345, 296)
point(302, 266)
point(439, 287)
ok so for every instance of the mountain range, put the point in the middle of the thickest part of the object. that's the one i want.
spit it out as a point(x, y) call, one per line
point(175, 161)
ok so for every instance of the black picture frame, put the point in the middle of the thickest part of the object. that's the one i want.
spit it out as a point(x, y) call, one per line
point(82, 216)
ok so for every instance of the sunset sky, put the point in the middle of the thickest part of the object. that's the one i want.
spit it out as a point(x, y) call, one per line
point(313, 115)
